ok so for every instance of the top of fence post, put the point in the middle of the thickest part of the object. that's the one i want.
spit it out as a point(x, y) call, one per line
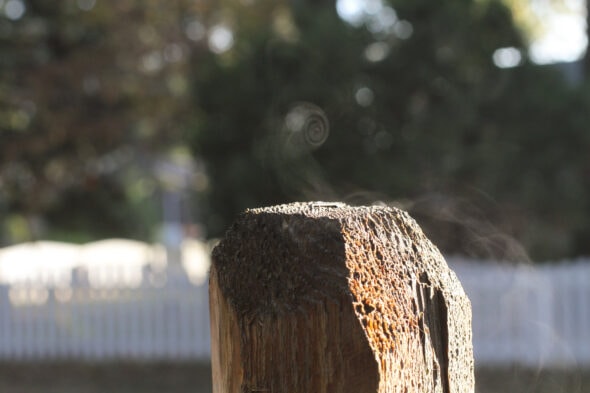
point(324, 297)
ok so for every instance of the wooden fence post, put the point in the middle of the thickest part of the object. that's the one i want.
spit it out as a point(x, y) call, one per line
point(328, 298)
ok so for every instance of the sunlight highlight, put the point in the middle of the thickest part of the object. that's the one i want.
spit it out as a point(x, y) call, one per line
point(14, 9)
point(377, 16)
point(565, 41)
point(221, 39)
point(507, 57)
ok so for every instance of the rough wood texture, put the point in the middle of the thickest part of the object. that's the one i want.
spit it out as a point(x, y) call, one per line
point(328, 298)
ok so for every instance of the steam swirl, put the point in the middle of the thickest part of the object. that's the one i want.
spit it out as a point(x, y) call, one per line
point(308, 123)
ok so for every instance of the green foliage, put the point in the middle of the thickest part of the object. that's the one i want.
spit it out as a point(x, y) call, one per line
point(89, 91)
point(418, 114)
point(439, 119)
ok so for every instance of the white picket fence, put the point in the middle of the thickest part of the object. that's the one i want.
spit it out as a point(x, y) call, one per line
point(156, 321)
point(535, 316)
point(112, 299)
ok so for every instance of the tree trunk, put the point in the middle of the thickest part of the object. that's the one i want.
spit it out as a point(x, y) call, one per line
point(328, 298)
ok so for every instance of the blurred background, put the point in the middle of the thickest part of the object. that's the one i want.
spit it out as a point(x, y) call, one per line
point(156, 122)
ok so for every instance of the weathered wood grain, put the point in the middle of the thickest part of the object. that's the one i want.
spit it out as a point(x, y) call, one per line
point(325, 297)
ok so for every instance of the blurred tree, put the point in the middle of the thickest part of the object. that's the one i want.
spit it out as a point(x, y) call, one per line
point(89, 92)
point(417, 109)
point(420, 106)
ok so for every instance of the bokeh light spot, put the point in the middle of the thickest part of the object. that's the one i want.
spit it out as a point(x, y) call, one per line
point(152, 62)
point(507, 57)
point(195, 31)
point(351, 11)
point(221, 39)
point(86, 5)
point(382, 21)
point(403, 29)
point(377, 51)
point(14, 9)
point(364, 96)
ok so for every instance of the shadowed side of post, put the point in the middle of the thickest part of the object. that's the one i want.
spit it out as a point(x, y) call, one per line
point(322, 297)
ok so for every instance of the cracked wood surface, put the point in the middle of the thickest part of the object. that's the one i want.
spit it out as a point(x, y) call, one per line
point(324, 297)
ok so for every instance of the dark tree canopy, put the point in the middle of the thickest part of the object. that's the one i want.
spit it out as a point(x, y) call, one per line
point(283, 101)
point(420, 115)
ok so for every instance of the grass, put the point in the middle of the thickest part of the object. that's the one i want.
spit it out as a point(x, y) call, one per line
point(196, 378)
